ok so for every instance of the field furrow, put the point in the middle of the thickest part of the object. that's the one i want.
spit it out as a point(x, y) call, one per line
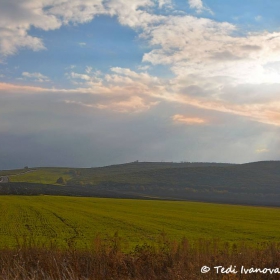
point(68, 220)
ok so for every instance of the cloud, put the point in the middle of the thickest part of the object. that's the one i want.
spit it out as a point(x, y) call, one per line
point(225, 56)
point(13, 39)
point(165, 3)
point(214, 68)
point(219, 72)
point(188, 120)
point(79, 103)
point(124, 90)
point(186, 39)
point(80, 76)
point(267, 112)
point(198, 6)
point(251, 47)
point(133, 104)
point(37, 77)
point(133, 13)
point(82, 44)
point(87, 79)
point(36, 120)
point(130, 104)
point(88, 69)
point(183, 90)
point(200, 46)
point(262, 150)
point(187, 44)
point(16, 18)
point(6, 88)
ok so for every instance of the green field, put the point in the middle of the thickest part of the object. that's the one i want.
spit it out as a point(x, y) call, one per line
point(61, 219)
point(40, 175)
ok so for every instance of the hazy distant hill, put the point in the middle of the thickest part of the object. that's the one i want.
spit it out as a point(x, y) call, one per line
point(252, 183)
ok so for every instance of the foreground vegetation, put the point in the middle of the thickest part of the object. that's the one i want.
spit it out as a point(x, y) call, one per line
point(78, 220)
point(166, 260)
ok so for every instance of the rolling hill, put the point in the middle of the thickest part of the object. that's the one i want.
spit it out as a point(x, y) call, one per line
point(251, 183)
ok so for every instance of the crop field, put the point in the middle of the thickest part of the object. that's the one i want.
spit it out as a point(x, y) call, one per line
point(79, 220)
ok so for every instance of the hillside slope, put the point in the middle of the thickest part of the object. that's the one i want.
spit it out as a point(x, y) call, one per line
point(251, 183)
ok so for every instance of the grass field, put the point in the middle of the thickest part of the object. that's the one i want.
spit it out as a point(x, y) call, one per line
point(41, 175)
point(67, 219)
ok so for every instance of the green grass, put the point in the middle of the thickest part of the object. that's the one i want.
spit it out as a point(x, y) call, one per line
point(42, 175)
point(60, 219)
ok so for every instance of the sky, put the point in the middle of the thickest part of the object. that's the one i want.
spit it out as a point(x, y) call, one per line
point(86, 83)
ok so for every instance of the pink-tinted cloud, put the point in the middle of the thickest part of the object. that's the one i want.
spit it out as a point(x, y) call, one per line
point(6, 87)
point(188, 120)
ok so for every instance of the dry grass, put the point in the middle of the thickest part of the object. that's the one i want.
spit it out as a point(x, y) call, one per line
point(107, 260)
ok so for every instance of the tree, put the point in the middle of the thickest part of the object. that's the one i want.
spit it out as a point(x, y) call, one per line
point(60, 180)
